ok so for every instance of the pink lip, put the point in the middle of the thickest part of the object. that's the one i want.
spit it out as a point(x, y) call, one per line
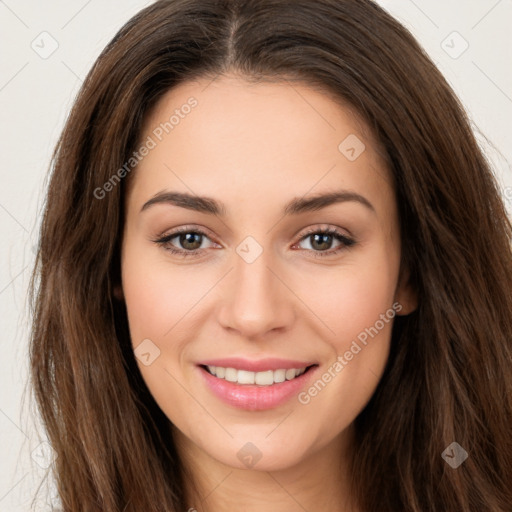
point(252, 397)
point(270, 363)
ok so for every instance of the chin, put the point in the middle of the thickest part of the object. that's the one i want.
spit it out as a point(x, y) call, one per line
point(259, 454)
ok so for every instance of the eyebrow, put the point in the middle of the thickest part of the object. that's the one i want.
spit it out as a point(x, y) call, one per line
point(296, 206)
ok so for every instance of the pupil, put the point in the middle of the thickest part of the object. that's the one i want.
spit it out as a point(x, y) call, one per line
point(188, 238)
point(326, 240)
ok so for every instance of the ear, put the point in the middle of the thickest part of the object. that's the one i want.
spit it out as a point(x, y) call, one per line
point(406, 294)
point(118, 292)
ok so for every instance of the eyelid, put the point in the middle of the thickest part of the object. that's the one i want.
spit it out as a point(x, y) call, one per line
point(324, 228)
point(188, 228)
point(170, 234)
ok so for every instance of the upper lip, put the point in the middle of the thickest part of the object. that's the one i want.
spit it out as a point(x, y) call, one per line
point(270, 363)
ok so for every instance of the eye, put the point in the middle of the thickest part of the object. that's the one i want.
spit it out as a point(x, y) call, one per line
point(189, 242)
point(320, 240)
point(190, 239)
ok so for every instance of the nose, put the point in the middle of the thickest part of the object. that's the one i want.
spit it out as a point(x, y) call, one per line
point(256, 300)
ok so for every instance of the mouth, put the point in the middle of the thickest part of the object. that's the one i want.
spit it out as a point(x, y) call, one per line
point(256, 390)
point(262, 378)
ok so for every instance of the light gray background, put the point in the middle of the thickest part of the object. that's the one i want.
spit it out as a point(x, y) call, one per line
point(37, 90)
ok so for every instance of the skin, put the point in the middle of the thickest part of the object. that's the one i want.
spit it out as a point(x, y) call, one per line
point(254, 147)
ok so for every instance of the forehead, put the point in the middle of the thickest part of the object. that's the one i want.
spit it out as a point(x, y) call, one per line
point(262, 141)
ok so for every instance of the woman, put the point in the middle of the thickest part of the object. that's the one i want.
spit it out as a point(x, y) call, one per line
point(275, 272)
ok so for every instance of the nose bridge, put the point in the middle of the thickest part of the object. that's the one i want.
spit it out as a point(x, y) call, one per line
point(256, 301)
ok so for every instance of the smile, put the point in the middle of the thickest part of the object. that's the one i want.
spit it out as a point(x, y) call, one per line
point(257, 386)
point(264, 378)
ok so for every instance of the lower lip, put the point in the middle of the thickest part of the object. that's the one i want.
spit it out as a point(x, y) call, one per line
point(252, 397)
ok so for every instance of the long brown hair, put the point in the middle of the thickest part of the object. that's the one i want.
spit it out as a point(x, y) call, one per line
point(448, 377)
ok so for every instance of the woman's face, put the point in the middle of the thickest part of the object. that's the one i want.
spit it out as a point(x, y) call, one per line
point(268, 277)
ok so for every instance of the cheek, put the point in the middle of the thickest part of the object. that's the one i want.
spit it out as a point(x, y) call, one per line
point(158, 300)
point(352, 299)
point(157, 295)
point(362, 321)
point(358, 308)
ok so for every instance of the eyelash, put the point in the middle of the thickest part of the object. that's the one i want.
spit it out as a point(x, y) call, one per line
point(345, 241)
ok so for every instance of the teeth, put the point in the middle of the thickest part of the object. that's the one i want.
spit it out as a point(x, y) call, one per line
point(290, 374)
point(231, 375)
point(245, 377)
point(266, 378)
point(263, 378)
point(279, 375)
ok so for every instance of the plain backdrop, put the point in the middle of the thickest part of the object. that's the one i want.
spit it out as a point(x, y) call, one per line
point(48, 48)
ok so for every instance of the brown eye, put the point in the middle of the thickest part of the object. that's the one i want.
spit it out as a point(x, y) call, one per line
point(184, 242)
point(321, 240)
point(190, 241)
